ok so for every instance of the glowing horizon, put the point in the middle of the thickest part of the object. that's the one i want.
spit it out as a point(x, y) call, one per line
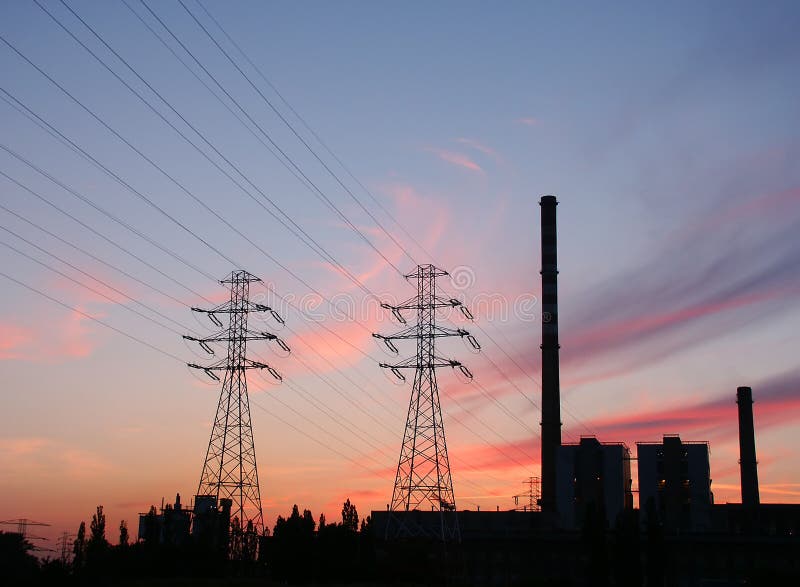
point(671, 151)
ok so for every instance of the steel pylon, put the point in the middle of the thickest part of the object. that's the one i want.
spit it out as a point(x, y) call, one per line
point(423, 481)
point(230, 469)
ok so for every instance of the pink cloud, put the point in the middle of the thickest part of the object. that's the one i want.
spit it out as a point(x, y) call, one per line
point(478, 146)
point(527, 121)
point(409, 202)
point(324, 350)
point(74, 340)
point(457, 159)
point(637, 328)
point(65, 338)
point(104, 293)
point(776, 403)
point(12, 340)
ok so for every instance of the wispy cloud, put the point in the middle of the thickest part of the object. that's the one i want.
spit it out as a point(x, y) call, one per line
point(777, 401)
point(707, 283)
point(457, 159)
point(39, 459)
point(67, 338)
point(527, 121)
point(13, 339)
point(480, 147)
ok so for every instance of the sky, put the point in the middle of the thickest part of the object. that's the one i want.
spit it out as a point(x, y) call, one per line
point(367, 138)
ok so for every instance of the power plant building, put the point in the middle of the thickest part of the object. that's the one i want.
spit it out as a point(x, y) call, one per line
point(592, 476)
point(675, 483)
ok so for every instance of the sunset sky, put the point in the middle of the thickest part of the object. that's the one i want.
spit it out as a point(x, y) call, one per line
point(390, 134)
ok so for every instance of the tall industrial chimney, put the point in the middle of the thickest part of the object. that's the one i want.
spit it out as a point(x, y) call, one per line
point(551, 401)
point(747, 447)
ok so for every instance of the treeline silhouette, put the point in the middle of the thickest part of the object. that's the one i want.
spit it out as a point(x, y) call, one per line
point(298, 550)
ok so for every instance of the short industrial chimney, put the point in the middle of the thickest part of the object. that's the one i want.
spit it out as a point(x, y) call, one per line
point(551, 402)
point(747, 447)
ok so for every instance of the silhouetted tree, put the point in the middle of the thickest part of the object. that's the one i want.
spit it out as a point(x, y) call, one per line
point(97, 545)
point(321, 524)
point(249, 543)
point(98, 529)
point(79, 548)
point(308, 522)
point(124, 537)
point(350, 516)
point(16, 561)
point(292, 542)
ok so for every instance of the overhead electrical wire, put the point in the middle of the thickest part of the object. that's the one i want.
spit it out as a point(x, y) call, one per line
point(308, 147)
point(320, 141)
point(285, 122)
point(304, 236)
point(122, 293)
point(84, 108)
point(316, 190)
point(338, 160)
point(305, 144)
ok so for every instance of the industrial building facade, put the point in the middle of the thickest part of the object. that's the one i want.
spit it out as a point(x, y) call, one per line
point(675, 483)
point(592, 476)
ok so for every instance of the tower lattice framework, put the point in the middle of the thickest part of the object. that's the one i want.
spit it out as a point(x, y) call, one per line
point(423, 481)
point(230, 469)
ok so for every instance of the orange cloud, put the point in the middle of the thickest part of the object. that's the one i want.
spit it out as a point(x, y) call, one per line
point(31, 459)
point(498, 457)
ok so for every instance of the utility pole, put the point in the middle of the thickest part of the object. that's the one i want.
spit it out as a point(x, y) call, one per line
point(423, 481)
point(230, 470)
point(64, 545)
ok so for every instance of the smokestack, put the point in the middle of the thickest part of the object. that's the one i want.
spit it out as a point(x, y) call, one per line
point(551, 402)
point(747, 447)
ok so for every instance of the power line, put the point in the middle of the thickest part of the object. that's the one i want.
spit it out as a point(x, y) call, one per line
point(90, 255)
point(95, 291)
point(94, 231)
point(300, 138)
point(306, 238)
point(86, 226)
point(308, 147)
point(316, 190)
point(89, 316)
point(144, 305)
point(117, 135)
point(320, 141)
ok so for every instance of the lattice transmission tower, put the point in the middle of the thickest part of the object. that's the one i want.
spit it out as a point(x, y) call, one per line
point(423, 481)
point(230, 470)
point(532, 497)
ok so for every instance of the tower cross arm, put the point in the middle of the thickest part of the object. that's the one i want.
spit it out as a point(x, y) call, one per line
point(433, 303)
point(244, 365)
